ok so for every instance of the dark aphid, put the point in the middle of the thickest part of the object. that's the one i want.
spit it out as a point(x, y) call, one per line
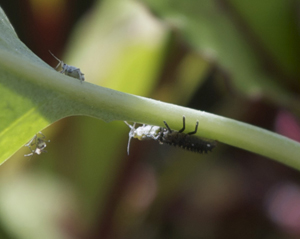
point(186, 141)
point(38, 143)
point(172, 137)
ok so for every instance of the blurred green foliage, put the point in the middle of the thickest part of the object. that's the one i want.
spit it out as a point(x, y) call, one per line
point(234, 58)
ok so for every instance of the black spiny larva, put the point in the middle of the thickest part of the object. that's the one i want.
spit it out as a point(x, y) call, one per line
point(186, 141)
point(172, 137)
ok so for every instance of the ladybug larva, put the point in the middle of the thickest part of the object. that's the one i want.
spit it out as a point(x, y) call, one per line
point(187, 141)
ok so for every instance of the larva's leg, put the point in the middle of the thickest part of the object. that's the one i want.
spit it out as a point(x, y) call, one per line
point(196, 128)
point(167, 126)
point(183, 128)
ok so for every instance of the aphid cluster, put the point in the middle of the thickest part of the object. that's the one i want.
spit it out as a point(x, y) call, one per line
point(71, 71)
point(186, 141)
point(37, 145)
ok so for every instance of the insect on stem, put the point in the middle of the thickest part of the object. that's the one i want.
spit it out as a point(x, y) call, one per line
point(71, 71)
point(166, 135)
point(38, 143)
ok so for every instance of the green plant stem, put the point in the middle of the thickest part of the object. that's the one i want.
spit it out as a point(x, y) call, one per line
point(108, 105)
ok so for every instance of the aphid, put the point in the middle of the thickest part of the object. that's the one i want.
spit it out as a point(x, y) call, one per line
point(172, 137)
point(144, 132)
point(71, 71)
point(39, 143)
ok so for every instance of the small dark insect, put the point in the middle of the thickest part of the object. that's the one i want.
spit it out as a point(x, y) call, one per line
point(186, 141)
point(71, 71)
point(172, 137)
point(39, 143)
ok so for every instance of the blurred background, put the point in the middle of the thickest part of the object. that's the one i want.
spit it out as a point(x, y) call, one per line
point(238, 59)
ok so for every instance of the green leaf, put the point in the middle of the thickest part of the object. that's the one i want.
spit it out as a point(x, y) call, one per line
point(34, 96)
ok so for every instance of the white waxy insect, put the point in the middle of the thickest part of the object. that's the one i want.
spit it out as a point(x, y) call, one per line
point(144, 132)
point(38, 143)
point(71, 71)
